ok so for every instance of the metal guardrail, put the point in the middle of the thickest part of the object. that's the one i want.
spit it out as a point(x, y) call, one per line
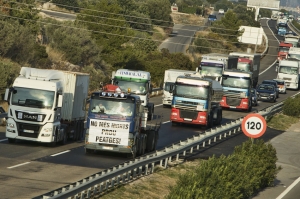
point(293, 28)
point(101, 182)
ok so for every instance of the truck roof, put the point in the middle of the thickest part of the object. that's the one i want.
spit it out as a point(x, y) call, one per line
point(285, 44)
point(289, 62)
point(134, 74)
point(199, 80)
point(239, 73)
point(244, 54)
point(215, 56)
point(294, 50)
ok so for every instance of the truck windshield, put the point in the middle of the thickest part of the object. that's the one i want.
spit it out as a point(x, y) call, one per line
point(167, 86)
point(236, 82)
point(296, 56)
point(288, 70)
point(189, 91)
point(35, 98)
point(211, 69)
point(135, 87)
point(283, 49)
point(111, 107)
point(244, 66)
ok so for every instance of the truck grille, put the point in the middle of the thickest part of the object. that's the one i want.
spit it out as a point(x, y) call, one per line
point(286, 78)
point(188, 114)
point(29, 127)
point(185, 107)
point(233, 94)
point(233, 101)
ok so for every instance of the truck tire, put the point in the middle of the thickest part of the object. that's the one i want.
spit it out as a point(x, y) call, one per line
point(150, 111)
point(65, 138)
point(151, 141)
point(11, 140)
point(250, 106)
point(142, 144)
point(88, 151)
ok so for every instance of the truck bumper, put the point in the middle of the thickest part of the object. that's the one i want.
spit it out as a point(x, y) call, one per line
point(110, 148)
point(199, 118)
point(30, 132)
point(243, 103)
point(291, 85)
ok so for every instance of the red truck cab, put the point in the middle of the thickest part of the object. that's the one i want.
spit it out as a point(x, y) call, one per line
point(283, 50)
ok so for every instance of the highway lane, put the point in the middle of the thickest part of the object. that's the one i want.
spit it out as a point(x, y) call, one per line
point(43, 168)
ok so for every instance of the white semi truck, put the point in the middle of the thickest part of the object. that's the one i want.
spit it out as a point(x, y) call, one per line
point(46, 106)
point(139, 83)
point(213, 64)
point(169, 79)
point(288, 70)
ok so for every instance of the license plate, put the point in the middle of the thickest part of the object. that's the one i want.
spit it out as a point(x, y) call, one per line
point(232, 106)
point(108, 147)
point(264, 97)
point(187, 119)
point(28, 131)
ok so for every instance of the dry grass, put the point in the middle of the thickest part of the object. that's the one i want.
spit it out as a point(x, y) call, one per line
point(179, 18)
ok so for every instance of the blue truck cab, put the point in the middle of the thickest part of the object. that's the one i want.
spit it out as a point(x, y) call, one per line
point(117, 122)
point(281, 30)
point(212, 18)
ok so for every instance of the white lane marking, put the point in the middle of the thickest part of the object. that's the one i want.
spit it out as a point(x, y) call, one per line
point(288, 189)
point(3, 140)
point(278, 43)
point(56, 154)
point(158, 105)
point(165, 122)
point(18, 165)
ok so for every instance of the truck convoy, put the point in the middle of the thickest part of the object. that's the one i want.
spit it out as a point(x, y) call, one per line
point(46, 106)
point(237, 86)
point(169, 79)
point(275, 14)
point(249, 62)
point(196, 100)
point(288, 70)
point(283, 50)
point(117, 122)
point(213, 64)
point(139, 82)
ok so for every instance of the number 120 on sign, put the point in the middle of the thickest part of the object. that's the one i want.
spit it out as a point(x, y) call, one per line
point(254, 125)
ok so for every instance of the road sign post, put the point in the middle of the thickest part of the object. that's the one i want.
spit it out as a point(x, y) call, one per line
point(254, 125)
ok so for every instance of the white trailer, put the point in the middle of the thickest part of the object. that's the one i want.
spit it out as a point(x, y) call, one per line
point(169, 79)
point(288, 70)
point(46, 106)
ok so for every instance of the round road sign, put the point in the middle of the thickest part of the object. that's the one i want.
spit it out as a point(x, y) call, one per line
point(254, 125)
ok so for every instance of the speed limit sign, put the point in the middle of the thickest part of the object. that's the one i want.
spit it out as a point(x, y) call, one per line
point(254, 125)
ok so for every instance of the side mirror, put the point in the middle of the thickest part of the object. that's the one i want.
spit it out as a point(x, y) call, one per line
point(171, 88)
point(6, 96)
point(59, 101)
point(276, 69)
point(86, 103)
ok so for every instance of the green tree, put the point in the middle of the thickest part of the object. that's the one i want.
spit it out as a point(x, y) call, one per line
point(159, 11)
point(246, 16)
point(108, 27)
point(22, 10)
point(8, 72)
point(228, 26)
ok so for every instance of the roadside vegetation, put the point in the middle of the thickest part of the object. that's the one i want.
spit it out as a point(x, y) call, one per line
point(108, 35)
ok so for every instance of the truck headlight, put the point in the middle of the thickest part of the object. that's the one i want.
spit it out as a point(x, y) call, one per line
point(10, 125)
